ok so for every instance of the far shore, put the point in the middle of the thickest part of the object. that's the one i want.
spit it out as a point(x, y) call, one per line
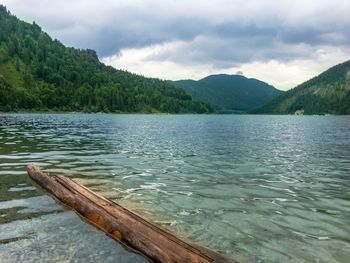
point(157, 113)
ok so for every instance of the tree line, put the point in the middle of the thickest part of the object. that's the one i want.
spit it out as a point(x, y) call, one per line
point(39, 73)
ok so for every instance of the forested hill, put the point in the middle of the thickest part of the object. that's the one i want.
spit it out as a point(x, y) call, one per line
point(39, 73)
point(230, 93)
point(328, 93)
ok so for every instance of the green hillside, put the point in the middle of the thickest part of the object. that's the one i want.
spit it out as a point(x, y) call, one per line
point(39, 73)
point(328, 93)
point(230, 93)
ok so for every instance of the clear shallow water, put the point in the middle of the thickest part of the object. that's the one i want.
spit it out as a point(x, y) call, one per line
point(257, 188)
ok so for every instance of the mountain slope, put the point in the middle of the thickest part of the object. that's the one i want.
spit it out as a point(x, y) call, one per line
point(328, 93)
point(230, 93)
point(39, 73)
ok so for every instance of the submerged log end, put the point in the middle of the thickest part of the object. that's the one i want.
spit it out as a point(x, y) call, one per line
point(38, 176)
point(32, 170)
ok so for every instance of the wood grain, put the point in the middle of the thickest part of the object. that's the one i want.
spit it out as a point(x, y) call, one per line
point(152, 241)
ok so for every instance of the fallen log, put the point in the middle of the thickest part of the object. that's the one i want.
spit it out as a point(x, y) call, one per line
point(157, 244)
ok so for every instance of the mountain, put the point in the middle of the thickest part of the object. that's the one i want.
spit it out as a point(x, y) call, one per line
point(39, 73)
point(328, 93)
point(230, 93)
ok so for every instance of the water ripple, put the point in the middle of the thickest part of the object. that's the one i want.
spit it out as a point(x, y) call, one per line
point(260, 189)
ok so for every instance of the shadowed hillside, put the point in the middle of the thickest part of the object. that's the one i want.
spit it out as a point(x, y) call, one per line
point(328, 93)
point(230, 93)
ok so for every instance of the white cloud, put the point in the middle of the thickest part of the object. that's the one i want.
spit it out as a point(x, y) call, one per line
point(281, 42)
point(140, 61)
point(283, 75)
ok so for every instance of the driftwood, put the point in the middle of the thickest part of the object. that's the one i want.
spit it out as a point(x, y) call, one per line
point(155, 243)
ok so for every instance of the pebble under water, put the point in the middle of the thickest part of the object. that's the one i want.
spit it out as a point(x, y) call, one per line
point(256, 188)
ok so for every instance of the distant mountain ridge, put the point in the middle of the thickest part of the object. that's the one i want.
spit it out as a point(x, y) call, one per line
point(327, 93)
point(230, 93)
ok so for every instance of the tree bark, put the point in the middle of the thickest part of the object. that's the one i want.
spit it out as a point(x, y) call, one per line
point(155, 243)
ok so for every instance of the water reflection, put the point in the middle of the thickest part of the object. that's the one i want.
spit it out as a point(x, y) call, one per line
point(258, 188)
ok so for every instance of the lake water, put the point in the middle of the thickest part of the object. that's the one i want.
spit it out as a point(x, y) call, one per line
point(257, 188)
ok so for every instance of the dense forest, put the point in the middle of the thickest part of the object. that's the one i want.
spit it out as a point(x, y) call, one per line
point(328, 93)
point(230, 93)
point(39, 73)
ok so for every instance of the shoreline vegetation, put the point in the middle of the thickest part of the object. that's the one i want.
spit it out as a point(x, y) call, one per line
point(160, 113)
point(86, 112)
point(325, 94)
point(230, 94)
point(38, 72)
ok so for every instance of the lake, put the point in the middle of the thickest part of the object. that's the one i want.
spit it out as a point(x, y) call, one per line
point(256, 188)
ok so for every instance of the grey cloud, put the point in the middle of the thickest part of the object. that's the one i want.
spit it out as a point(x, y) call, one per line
point(127, 32)
point(225, 34)
point(231, 51)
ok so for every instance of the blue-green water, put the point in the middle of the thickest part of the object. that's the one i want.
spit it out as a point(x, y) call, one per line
point(257, 188)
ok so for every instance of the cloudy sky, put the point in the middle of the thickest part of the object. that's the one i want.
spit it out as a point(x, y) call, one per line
point(281, 42)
